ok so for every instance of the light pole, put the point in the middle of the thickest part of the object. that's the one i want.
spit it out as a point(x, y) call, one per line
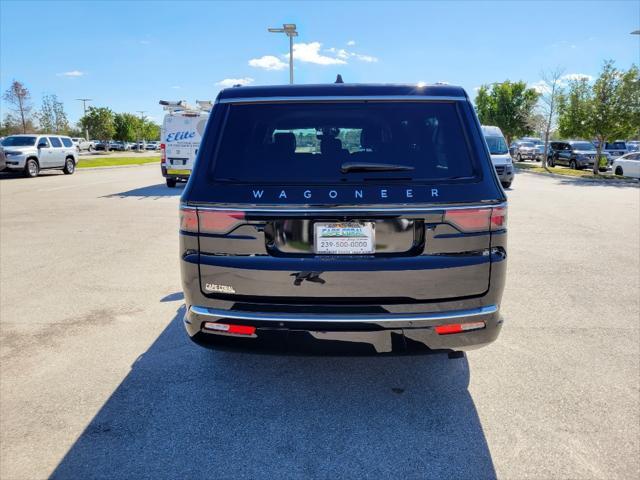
point(141, 112)
point(635, 32)
point(290, 30)
point(84, 107)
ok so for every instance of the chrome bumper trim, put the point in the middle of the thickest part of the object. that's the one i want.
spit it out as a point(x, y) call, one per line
point(358, 318)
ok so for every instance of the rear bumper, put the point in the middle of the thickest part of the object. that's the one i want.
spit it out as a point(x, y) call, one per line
point(345, 334)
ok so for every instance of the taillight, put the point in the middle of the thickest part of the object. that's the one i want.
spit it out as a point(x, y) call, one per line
point(163, 153)
point(188, 219)
point(477, 219)
point(209, 221)
point(218, 221)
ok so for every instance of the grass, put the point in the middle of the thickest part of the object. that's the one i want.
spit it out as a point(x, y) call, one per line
point(115, 161)
point(568, 172)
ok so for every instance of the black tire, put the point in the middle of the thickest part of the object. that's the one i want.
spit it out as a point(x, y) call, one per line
point(619, 171)
point(69, 166)
point(551, 162)
point(519, 158)
point(171, 182)
point(90, 149)
point(31, 168)
point(506, 184)
point(573, 165)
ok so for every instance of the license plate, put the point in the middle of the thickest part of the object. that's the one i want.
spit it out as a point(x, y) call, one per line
point(178, 172)
point(348, 238)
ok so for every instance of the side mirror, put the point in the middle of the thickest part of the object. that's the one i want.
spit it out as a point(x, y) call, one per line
point(42, 145)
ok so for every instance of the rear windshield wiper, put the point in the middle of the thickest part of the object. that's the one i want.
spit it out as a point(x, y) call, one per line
point(373, 167)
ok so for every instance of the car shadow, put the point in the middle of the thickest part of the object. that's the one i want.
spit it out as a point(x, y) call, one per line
point(159, 190)
point(187, 412)
point(13, 175)
point(585, 182)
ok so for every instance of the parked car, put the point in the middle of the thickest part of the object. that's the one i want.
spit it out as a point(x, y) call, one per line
point(153, 146)
point(633, 146)
point(627, 165)
point(100, 145)
point(82, 144)
point(525, 151)
point(616, 149)
point(33, 153)
point(576, 154)
point(138, 146)
point(384, 230)
point(499, 154)
point(119, 146)
point(3, 158)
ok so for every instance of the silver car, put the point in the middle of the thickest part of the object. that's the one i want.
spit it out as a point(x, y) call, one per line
point(31, 153)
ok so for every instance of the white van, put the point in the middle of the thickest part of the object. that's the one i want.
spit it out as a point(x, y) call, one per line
point(180, 136)
point(499, 154)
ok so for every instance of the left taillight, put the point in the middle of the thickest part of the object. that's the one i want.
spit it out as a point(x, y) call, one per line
point(163, 153)
point(477, 219)
point(220, 222)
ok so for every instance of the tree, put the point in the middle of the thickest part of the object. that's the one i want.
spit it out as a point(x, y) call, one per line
point(551, 91)
point(508, 105)
point(607, 110)
point(18, 96)
point(100, 123)
point(149, 130)
point(12, 125)
point(126, 127)
point(52, 117)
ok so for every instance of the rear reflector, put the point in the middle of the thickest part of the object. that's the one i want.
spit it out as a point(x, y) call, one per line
point(228, 328)
point(458, 327)
point(477, 219)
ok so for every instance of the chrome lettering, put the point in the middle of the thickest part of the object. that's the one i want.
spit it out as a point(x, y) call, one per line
point(307, 194)
point(258, 193)
point(434, 192)
point(333, 194)
point(283, 194)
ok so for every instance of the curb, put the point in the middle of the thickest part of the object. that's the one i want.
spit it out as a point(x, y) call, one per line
point(105, 167)
point(631, 182)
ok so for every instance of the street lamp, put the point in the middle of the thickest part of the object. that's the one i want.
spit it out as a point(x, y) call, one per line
point(141, 112)
point(635, 32)
point(290, 30)
point(84, 107)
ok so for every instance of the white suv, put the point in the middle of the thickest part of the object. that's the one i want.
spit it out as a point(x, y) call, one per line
point(34, 152)
point(82, 144)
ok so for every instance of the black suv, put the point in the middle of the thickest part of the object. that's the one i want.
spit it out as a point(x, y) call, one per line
point(343, 218)
point(576, 154)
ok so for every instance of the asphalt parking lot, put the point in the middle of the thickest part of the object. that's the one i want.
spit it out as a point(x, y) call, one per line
point(98, 379)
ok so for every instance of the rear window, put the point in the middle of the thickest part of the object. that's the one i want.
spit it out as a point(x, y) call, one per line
point(616, 146)
point(55, 142)
point(315, 143)
point(67, 142)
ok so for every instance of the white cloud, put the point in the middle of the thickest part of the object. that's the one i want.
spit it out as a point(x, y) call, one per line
point(310, 53)
point(268, 62)
point(351, 43)
point(145, 42)
point(230, 82)
point(176, 87)
point(576, 76)
point(366, 58)
point(72, 74)
point(343, 54)
point(541, 87)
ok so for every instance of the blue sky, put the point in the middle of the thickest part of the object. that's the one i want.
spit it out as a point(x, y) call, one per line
point(129, 55)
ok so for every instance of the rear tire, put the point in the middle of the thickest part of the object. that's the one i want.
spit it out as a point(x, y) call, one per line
point(551, 162)
point(171, 182)
point(31, 168)
point(519, 158)
point(573, 165)
point(69, 166)
point(506, 184)
point(619, 171)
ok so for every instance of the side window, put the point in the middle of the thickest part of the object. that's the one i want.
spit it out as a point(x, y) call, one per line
point(55, 141)
point(43, 142)
point(67, 142)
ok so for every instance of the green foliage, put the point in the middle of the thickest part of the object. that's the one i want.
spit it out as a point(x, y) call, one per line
point(149, 131)
point(508, 105)
point(127, 127)
point(607, 110)
point(100, 123)
point(52, 117)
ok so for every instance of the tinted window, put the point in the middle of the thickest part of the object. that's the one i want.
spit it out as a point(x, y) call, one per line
point(583, 146)
point(44, 140)
point(55, 142)
point(309, 143)
point(67, 142)
point(19, 142)
point(497, 145)
point(615, 146)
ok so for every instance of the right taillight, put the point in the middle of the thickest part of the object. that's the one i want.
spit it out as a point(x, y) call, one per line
point(163, 153)
point(195, 220)
point(477, 219)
